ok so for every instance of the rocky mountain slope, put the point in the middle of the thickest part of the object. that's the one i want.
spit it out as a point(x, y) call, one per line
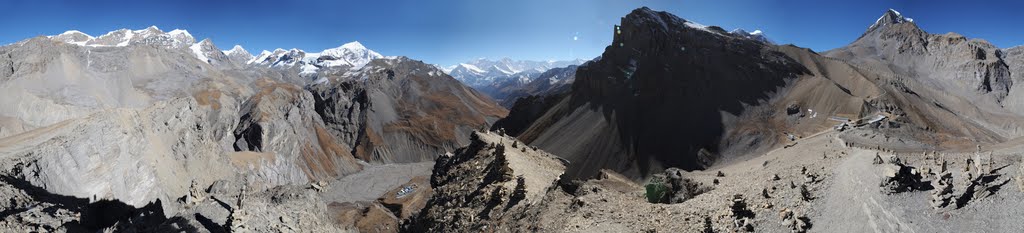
point(671, 103)
point(401, 110)
point(665, 79)
point(972, 72)
point(180, 117)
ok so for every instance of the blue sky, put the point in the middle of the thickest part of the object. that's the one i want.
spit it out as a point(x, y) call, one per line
point(451, 31)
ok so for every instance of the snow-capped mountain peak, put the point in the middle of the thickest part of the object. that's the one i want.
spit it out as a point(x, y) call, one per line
point(352, 54)
point(757, 35)
point(238, 55)
point(260, 58)
point(207, 52)
point(181, 35)
point(74, 33)
point(124, 37)
point(354, 45)
point(73, 37)
point(237, 49)
point(889, 18)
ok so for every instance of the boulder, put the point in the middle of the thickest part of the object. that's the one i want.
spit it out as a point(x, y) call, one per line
point(898, 178)
point(676, 188)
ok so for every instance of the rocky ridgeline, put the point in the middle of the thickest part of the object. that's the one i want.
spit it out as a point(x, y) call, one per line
point(487, 186)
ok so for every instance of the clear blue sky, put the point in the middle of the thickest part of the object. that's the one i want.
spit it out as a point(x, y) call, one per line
point(450, 31)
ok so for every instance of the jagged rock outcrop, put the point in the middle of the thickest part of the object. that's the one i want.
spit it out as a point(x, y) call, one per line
point(401, 110)
point(489, 185)
point(664, 82)
point(281, 120)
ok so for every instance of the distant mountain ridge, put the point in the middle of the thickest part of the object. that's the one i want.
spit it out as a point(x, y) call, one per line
point(484, 72)
point(349, 55)
point(506, 79)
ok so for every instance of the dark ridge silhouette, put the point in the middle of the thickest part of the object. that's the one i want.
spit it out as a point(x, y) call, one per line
point(662, 86)
point(101, 214)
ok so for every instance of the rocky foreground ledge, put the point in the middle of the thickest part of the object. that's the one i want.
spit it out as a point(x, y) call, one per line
point(490, 183)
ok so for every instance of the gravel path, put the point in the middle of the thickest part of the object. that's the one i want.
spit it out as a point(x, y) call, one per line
point(854, 203)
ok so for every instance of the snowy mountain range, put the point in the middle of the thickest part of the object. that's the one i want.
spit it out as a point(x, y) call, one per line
point(352, 55)
point(483, 72)
point(123, 37)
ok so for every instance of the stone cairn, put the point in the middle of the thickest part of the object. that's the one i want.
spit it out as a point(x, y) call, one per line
point(973, 183)
point(238, 216)
point(743, 218)
point(878, 159)
point(796, 222)
point(195, 194)
point(942, 194)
